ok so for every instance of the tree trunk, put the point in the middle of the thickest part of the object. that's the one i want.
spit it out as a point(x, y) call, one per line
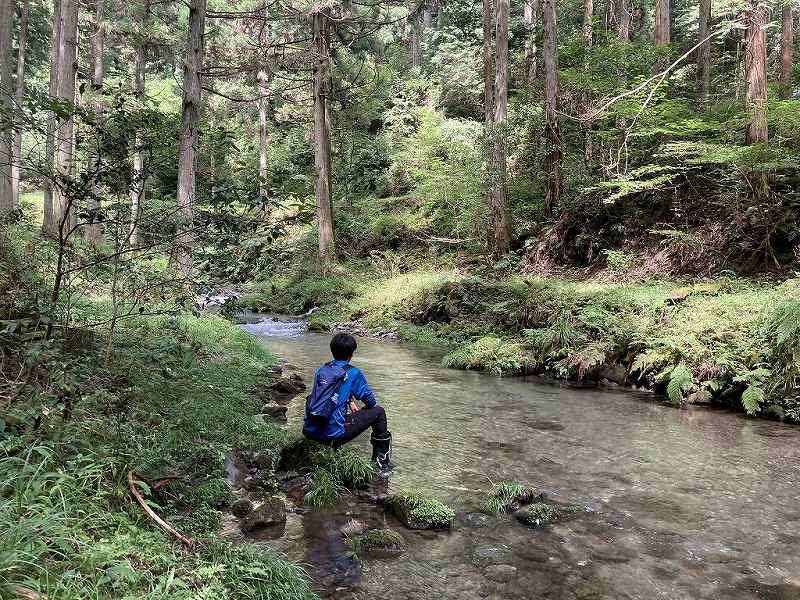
point(703, 54)
point(94, 231)
point(16, 165)
point(416, 39)
point(138, 175)
point(624, 20)
point(322, 147)
point(552, 161)
point(48, 223)
point(661, 23)
point(529, 9)
point(488, 75)
point(263, 143)
point(6, 91)
point(190, 123)
point(756, 94)
point(588, 38)
point(501, 242)
point(787, 50)
point(756, 73)
point(63, 209)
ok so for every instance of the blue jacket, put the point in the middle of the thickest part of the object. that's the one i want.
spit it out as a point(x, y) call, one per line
point(354, 386)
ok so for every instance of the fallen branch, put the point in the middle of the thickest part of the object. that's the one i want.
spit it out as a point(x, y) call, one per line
point(28, 593)
point(152, 514)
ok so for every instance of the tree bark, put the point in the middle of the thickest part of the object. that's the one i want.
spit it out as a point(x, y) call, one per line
point(552, 161)
point(320, 27)
point(588, 38)
point(624, 20)
point(756, 73)
point(6, 94)
point(190, 123)
point(94, 231)
point(263, 77)
point(756, 94)
point(501, 230)
point(138, 174)
point(48, 223)
point(787, 50)
point(529, 9)
point(703, 54)
point(416, 39)
point(63, 209)
point(488, 75)
point(16, 165)
point(661, 23)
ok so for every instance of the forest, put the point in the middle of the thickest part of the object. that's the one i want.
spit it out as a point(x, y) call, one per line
point(599, 194)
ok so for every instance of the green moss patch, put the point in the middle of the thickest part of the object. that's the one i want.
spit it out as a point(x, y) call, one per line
point(380, 543)
point(416, 511)
point(537, 514)
point(508, 496)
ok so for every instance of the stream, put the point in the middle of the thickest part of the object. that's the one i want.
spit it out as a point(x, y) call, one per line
point(679, 504)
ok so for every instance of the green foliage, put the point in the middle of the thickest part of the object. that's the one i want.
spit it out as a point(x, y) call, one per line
point(377, 541)
point(680, 377)
point(507, 496)
point(488, 354)
point(618, 261)
point(538, 514)
point(324, 489)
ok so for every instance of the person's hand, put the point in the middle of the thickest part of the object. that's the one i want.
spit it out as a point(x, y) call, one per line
point(354, 408)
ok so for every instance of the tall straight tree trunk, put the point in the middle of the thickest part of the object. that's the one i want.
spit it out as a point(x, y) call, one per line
point(320, 28)
point(588, 38)
point(48, 223)
point(501, 230)
point(94, 231)
point(488, 75)
point(63, 209)
point(624, 20)
point(416, 39)
point(703, 54)
point(529, 9)
point(190, 123)
point(16, 166)
point(787, 50)
point(263, 77)
point(756, 93)
point(138, 174)
point(661, 23)
point(552, 133)
point(6, 95)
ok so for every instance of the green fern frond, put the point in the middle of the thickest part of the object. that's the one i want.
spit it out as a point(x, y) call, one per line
point(680, 377)
point(752, 398)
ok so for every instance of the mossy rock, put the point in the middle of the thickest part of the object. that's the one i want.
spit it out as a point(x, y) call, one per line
point(416, 511)
point(509, 496)
point(538, 513)
point(379, 543)
point(318, 325)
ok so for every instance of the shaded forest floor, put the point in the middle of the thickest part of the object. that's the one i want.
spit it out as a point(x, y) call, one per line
point(699, 342)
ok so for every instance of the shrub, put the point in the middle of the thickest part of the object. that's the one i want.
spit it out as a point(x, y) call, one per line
point(490, 354)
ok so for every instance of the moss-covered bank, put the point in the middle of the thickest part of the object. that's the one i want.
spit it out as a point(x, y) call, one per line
point(729, 341)
point(173, 399)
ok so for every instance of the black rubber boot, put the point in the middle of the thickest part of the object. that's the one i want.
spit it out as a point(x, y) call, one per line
point(382, 453)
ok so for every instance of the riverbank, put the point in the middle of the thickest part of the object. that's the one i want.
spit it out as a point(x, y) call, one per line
point(726, 341)
point(175, 397)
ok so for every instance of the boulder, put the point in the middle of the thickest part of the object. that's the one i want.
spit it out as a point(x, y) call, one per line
point(242, 507)
point(288, 386)
point(273, 410)
point(271, 512)
point(418, 512)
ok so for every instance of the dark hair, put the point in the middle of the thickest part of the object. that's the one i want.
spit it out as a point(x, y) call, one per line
point(343, 345)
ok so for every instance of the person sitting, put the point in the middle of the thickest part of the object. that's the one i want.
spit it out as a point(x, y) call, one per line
point(333, 416)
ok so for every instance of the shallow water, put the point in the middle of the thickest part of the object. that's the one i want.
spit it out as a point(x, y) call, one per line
point(681, 504)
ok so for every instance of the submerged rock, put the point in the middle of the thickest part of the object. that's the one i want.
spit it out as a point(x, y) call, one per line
point(271, 512)
point(491, 555)
point(500, 573)
point(537, 514)
point(418, 512)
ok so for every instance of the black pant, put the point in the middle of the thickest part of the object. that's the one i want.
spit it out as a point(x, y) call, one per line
point(358, 422)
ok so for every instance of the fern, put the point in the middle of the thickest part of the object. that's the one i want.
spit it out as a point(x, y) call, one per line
point(680, 377)
point(752, 398)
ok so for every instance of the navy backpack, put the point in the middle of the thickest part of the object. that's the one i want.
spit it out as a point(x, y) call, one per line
point(322, 400)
